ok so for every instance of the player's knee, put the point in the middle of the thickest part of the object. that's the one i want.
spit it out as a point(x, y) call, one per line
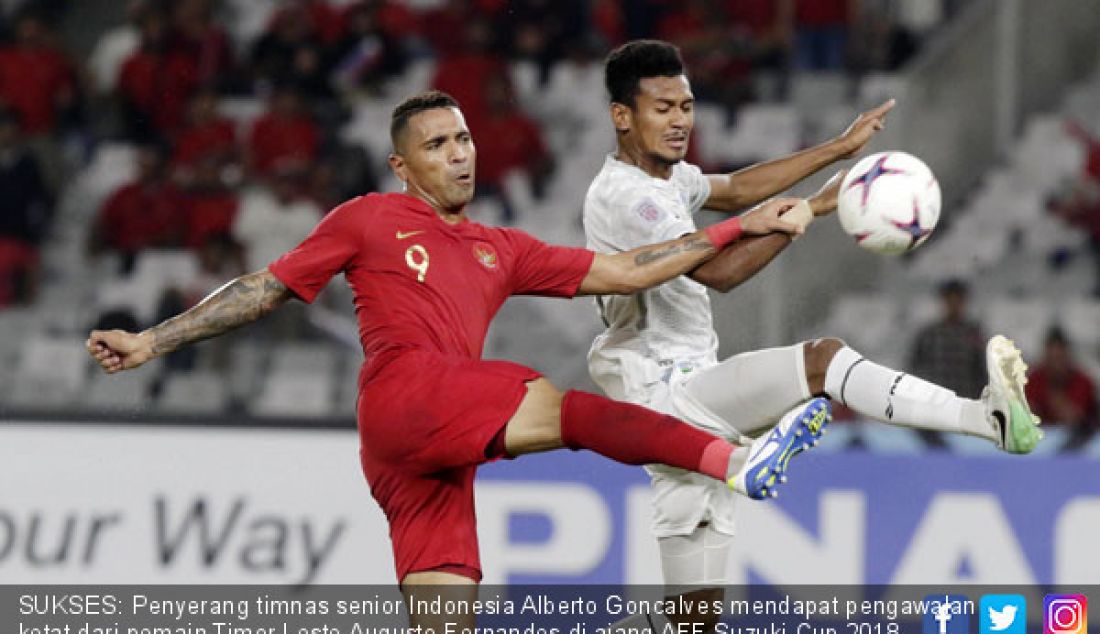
point(536, 425)
point(818, 354)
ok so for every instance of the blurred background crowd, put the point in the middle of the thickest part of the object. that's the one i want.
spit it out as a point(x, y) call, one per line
point(151, 150)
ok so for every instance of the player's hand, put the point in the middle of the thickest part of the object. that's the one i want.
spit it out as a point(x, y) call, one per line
point(862, 129)
point(117, 350)
point(824, 201)
point(767, 218)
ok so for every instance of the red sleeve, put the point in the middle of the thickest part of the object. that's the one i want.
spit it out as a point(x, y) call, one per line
point(543, 269)
point(326, 251)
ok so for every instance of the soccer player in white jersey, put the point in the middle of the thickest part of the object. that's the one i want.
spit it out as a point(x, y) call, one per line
point(660, 347)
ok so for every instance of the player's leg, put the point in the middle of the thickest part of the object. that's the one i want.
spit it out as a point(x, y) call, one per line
point(694, 567)
point(693, 521)
point(546, 419)
point(746, 390)
point(1002, 415)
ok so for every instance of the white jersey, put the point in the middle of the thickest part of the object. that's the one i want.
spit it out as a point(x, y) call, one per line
point(664, 330)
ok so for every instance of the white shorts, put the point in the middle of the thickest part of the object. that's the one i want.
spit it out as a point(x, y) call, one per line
point(747, 392)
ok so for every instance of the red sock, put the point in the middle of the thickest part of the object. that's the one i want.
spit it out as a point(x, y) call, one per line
point(636, 435)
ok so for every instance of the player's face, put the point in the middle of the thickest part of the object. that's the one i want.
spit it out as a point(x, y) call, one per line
point(662, 117)
point(436, 158)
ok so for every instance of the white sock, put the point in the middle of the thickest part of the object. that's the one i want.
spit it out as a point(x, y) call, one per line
point(738, 458)
point(902, 399)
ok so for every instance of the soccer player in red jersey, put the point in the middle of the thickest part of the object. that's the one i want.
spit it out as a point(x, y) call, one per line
point(427, 282)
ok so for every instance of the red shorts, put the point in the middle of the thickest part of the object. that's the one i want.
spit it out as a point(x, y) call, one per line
point(425, 422)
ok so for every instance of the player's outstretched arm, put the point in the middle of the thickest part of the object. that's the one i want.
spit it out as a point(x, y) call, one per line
point(646, 267)
point(239, 302)
point(740, 189)
point(743, 259)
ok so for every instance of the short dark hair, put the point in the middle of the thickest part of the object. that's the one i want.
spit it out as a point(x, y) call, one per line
point(1057, 336)
point(954, 286)
point(630, 63)
point(430, 100)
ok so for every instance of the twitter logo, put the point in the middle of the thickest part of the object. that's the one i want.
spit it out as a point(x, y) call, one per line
point(1003, 614)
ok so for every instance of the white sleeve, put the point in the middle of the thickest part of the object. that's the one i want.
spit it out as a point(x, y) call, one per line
point(635, 219)
point(693, 181)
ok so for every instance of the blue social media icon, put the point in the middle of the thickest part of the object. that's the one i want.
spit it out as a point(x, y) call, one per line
point(1002, 614)
point(947, 614)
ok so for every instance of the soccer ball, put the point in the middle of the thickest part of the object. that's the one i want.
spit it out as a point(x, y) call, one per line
point(889, 202)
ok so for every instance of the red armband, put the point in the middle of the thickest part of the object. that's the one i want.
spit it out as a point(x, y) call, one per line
point(724, 233)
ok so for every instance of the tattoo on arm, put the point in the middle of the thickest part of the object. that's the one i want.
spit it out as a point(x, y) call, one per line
point(239, 302)
point(680, 246)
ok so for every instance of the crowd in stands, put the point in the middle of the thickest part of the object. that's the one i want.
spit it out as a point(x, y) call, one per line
point(237, 192)
point(159, 78)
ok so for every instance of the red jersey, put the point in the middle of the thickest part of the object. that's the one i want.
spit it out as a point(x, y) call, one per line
point(420, 282)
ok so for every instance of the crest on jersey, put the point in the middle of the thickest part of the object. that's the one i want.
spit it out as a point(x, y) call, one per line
point(486, 255)
point(648, 211)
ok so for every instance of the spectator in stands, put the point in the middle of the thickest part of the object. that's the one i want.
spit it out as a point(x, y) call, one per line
point(25, 210)
point(273, 219)
point(759, 30)
point(156, 82)
point(1079, 206)
point(445, 29)
point(821, 32)
point(207, 136)
point(287, 133)
point(1058, 390)
point(464, 75)
point(196, 36)
point(147, 212)
point(509, 141)
point(323, 19)
point(608, 22)
point(1091, 168)
point(37, 80)
point(721, 64)
point(210, 205)
point(950, 351)
point(367, 54)
point(540, 29)
point(292, 52)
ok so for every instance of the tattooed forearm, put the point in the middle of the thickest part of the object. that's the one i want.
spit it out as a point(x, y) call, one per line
point(239, 302)
point(681, 246)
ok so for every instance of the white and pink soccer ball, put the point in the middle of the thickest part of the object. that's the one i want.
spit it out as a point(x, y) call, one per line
point(889, 202)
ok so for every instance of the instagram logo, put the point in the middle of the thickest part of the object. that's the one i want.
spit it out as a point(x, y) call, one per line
point(1065, 614)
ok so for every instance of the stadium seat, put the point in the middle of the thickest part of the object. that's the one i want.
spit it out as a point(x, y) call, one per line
point(64, 360)
point(242, 111)
point(112, 165)
point(125, 392)
point(1081, 321)
point(764, 131)
point(194, 393)
point(246, 363)
point(1025, 321)
point(867, 322)
point(294, 395)
point(303, 358)
point(16, 325)
point(169, 267)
